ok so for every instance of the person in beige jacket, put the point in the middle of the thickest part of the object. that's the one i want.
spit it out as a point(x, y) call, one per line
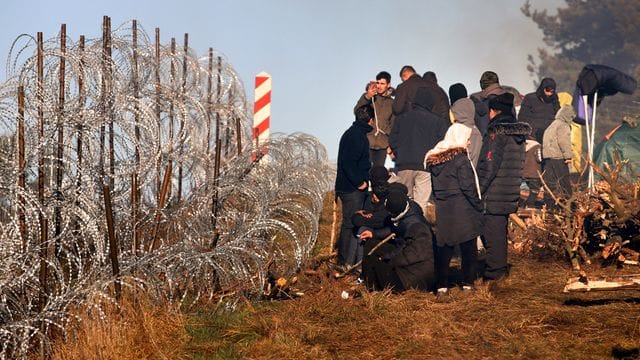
point(379, 94)
point(556, 152)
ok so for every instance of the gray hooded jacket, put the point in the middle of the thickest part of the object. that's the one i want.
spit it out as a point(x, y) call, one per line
point(464, 112)
point(556, 143)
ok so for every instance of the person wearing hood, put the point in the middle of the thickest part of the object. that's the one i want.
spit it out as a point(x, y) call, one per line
point(406, 261)
point(463, 111)
point(500, 175)
point(352, 179)
point(490, 85)
point(557, 152)
point(458, 205)
point(414, 133)
point(379, 94)
point(539, 108)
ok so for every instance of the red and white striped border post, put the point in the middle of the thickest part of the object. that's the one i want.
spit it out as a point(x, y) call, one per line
point(261, 114)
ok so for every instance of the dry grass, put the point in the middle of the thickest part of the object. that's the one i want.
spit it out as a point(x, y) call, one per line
point(133, 330)
point(524, 316)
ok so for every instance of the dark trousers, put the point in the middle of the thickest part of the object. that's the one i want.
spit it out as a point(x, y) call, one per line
point(469, 254)
point(534, 190)
point(377, 156)
point(347, 242)
point(376, 273)
point(495, 242)
point(556, 175)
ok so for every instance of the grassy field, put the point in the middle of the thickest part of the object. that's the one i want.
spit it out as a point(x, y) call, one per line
point(525, 316)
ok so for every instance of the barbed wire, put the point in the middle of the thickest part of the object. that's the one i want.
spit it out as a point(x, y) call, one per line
point(199, 236)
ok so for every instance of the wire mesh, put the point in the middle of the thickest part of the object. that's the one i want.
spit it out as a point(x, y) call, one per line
point(125, 122)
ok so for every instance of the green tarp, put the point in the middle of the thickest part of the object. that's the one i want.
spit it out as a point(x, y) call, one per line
point(626, 140)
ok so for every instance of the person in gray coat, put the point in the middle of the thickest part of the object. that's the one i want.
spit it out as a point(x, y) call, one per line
point(556, 152)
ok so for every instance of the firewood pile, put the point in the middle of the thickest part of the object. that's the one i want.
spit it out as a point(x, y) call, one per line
point(599, 224)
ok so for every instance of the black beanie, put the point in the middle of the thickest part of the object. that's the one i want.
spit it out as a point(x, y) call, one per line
point(488, 78)
point(396, 202)
point(379, 174)
point(457, 91)
point(396, 186)
point(380, 190)
point(502, 102)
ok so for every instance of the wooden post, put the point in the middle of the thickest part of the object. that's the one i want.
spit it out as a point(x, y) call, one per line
point(81, 100)
point(103, 97)
point(216, 164)
point(109, 113)
point(42, 298)
point(163, 194)
point(183, 92)
point(21, 169)
point(135, 196)
point(113, 244)
point(171, 117)
point(60, 145)
point(239, 135)
point(157, 66)
point(209, 100)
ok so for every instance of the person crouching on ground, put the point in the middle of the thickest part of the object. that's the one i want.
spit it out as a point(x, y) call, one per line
point(500, 175)
point(458, 207)
point(406, 262)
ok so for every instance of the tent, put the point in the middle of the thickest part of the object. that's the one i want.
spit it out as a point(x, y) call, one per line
point(626, 140)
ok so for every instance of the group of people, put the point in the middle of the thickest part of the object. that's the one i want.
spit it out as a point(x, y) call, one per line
point(465, 154)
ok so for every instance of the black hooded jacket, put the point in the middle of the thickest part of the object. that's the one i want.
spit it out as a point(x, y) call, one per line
point(412, 254)
point(539, 110)
point(501, 163)
point(415, 132)
point(458, 206)
point(353, 158)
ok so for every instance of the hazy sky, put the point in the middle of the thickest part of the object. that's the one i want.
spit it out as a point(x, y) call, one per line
point(319, 53)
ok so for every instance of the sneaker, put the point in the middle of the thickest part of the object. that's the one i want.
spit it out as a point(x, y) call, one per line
point(442, 293)
point(468, 289)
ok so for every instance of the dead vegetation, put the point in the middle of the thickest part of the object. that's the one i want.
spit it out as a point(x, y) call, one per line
point(525, 316)
point(134, 329)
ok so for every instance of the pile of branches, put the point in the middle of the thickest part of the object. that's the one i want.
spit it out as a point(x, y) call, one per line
point(603, 222)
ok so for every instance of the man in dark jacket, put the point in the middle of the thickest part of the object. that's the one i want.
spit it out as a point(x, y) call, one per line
point(441, 100)
point(539, 108)
point(352, 179)
point(414, 133)
point(380, 95)
point(406, 92)
point(490, 85)
point(500, 174)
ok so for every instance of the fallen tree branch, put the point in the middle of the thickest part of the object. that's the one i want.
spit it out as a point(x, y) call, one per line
point(603, 283)
point(350, 268)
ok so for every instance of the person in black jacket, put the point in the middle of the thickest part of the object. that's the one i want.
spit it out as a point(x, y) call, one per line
point(500, 174)
point(406, 93)
point(458, 210)
point(413, 134)
point(406, 262)
point(352, 179)
point(539, 108)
